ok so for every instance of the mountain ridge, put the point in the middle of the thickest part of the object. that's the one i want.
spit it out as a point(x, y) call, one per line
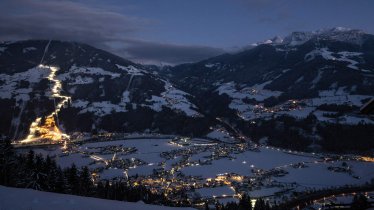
point(98, 84)
point(323, 81)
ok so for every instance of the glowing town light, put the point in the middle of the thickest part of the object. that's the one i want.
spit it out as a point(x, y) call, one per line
point(114, 156)
point(367, 159)
point(126, 174)
point(253, 202)
point(65, 145)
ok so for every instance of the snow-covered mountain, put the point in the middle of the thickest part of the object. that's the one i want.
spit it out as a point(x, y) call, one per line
point(334, 62)
point(340, 34)
point(327, 74)
point(275, 40)
point(90, 88)
point(296, 86)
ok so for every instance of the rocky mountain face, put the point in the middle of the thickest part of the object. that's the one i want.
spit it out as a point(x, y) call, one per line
point(91, 90)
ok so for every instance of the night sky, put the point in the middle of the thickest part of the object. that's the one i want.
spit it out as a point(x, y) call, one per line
point(175, 31)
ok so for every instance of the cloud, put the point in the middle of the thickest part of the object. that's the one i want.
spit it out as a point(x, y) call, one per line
point(152, 52)
point(103, 28)
point(20, 19)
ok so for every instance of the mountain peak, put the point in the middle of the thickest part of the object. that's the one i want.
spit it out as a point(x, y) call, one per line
point(274, 40)
point(335, 34)
point(335, 29)
point(297, 38)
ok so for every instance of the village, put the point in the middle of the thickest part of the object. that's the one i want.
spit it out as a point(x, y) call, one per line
point(199, 171)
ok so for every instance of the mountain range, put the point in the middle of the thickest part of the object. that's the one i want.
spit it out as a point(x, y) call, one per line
point(292, 92)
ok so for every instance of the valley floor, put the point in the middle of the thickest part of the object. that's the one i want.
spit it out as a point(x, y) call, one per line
point(211, 170)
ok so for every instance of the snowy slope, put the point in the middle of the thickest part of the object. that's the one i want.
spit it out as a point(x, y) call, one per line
point(99, 85)
point(262, 81)
point(26, 199)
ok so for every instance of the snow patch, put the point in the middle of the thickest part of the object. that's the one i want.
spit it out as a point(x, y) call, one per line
point(126, 97)
point(81, 80)
point(211, 65)
point(102, 108)
point(28, 49)
point(221, 134)
point(256, 92)
point(246, 111)
point(2, 49)
point(317, 78)
point(88, 71)
point(131, 70)
point(343, 56)
point(174, 99)
point(300, 79)
point(8, 88)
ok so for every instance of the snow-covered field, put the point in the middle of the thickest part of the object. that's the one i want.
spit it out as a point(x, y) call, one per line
point(216, 191)
point(27, 199)
point(243, 163)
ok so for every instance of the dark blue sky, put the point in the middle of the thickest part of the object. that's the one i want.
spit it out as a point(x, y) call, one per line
point(174, 31)
point(229, 23)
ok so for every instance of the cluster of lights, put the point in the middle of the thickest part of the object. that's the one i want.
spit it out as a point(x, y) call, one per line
point(49, 129)
point(367, 159)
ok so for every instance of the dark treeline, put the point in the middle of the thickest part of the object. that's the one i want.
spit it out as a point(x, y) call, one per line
point(340, 138)
point(39, 173)
point(244, 204)
point(283, 131)
point(337, 108)
point(298, 134)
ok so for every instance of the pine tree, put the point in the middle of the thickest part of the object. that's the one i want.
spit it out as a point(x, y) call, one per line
point(37, 177)
point(206, 206)
point(30, 160)
point(51, 170)
point(106, 190)
point(245, 203)
point(100, 190)
point(85, 182)
point(360, 202)
point(60, 185)
point(7, 163)
point(260, 205)
point(73, 179)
